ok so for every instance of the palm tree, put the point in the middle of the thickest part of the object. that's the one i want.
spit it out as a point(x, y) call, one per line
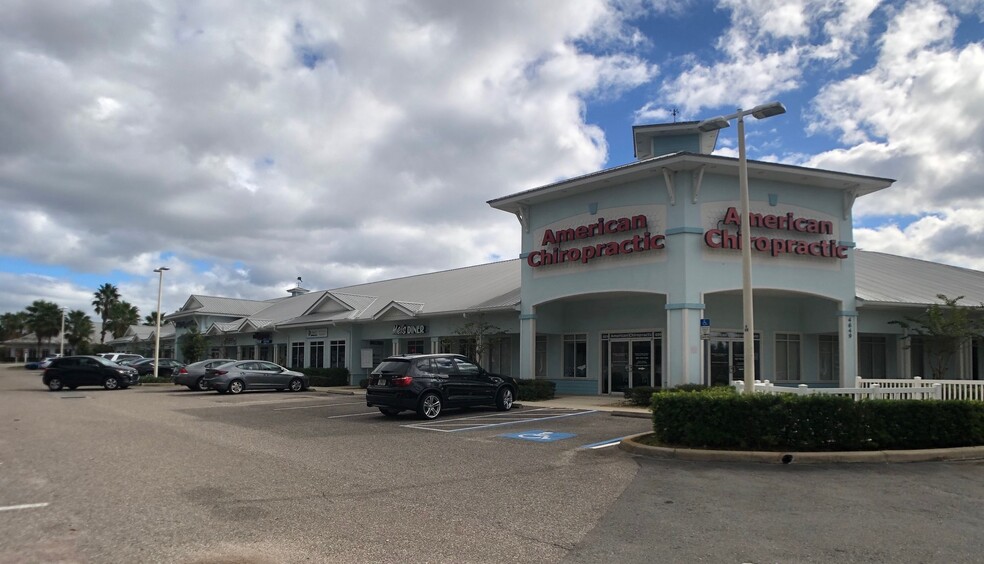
point(44, 319)
point(106, 296)
point(121, 316)
point(78, 328)
point(12, 325)
point(152, 319)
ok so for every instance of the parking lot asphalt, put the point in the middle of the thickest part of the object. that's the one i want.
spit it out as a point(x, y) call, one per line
point(164, 474)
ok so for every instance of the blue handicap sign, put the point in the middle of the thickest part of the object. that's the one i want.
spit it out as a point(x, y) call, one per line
point(539, 436)
point(705, 322)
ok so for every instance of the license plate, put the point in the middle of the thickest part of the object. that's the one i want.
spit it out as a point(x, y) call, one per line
point(381, 382)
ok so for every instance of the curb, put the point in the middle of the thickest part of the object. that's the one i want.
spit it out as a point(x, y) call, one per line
point(628, 444)
point(339, 392)
point(636, 414)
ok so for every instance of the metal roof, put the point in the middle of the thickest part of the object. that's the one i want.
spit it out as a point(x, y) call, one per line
point(856, 184)
point(882, 280)
point(885, 279)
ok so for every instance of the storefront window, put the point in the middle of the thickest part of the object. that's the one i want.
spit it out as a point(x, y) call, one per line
point(871, 356)
point(541, 357)
point(415, 346)
point(297, 355)
point(336, 354)
point(787, 356)
point(317, 354)
point(499, 357)
point(575, 355)
point(829, 358)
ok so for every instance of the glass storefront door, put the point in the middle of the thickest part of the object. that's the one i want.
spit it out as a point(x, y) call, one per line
point(726, 358)
point(631, 360)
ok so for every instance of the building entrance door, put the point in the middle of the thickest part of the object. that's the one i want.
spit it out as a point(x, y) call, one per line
point(631, 360)
point(726, 358)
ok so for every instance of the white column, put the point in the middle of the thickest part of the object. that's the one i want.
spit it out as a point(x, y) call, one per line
point(848, 341)
point(527, 346)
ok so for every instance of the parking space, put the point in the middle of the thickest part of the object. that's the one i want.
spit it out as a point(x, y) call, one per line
point(333, 416)
point(487, 420)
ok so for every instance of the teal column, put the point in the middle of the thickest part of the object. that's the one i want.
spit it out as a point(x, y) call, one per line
point(848, 339)
point(682, 345)
point(527, 346)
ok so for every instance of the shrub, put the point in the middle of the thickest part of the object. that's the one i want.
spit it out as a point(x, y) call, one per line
point(640, 395)
point(149, 379)
point(535, 390)
point(326, 376)
point(720, 418)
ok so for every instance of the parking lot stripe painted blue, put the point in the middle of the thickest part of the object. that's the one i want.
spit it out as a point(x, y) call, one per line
point(603, 444)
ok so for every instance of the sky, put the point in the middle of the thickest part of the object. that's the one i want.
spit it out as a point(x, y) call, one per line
point(245, 144)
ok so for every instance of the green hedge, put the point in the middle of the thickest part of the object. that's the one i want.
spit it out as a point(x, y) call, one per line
point(535, 390)
point(720, 418)
point(643, 395)
point(326, 376)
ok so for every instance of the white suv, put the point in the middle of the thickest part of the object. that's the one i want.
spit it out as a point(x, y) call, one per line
point(119, 357)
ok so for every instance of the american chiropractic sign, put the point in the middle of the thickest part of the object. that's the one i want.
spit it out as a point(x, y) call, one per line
point(797, 235)
point(602, 238)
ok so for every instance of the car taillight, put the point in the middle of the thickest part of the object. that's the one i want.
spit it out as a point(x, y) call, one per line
point(220, 372)
point(182, 371)
point(402, 381)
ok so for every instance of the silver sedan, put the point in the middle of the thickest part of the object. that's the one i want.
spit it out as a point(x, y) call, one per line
point(236, 377)
point(193, 375)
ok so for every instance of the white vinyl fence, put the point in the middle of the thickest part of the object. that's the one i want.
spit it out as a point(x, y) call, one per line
point(885, 388)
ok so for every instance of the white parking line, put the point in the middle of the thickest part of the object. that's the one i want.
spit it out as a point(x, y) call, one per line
point(319, 405)
point(429, 427)
point(351, 415)
point(24, 506)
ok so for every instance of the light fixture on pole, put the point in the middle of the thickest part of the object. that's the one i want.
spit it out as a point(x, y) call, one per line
point(61, 338)
point(758, 112)
point(157, 315)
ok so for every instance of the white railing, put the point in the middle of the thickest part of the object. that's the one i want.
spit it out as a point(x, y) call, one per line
point(872, 391)
point(952, 389)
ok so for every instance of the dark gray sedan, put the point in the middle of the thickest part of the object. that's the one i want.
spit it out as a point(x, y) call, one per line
point(193, 375)
point(243, 375)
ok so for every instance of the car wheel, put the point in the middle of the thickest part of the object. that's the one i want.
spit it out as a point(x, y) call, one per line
point(236, 386)
point(111, 383)
point(200, 385)
point(429, 406)
point(389, 412)
point(55, 384)
point(296, 385)
point(504, 399)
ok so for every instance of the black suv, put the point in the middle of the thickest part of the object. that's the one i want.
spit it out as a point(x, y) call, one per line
point(74, 371)
point(427, 383)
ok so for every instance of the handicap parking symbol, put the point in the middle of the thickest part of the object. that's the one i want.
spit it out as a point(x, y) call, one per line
point(539, 436)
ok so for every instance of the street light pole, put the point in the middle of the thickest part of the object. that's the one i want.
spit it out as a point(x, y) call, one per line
point(61, 344)
point(157, 330)
point(758, 112)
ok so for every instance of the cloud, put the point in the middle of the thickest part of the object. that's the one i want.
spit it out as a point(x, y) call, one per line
point(339, 143)
point(766, 51)
point(914, 116)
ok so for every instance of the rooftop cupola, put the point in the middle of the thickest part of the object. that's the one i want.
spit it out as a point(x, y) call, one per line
point(297, 290)
point(668, 138)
